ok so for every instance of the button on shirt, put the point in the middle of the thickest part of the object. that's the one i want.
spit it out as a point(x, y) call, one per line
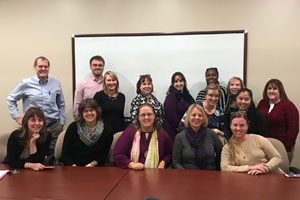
point(46, 95)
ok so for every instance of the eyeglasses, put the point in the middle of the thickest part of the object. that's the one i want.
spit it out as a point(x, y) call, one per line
point(89, 110)
point(143, 115)
point(97, 65)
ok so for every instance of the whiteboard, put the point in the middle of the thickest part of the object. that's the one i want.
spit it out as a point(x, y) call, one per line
point(160, 55)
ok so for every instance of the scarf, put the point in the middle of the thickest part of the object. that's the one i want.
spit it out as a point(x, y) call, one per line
point(152, 158)
point(87, 138)
point(196, 140)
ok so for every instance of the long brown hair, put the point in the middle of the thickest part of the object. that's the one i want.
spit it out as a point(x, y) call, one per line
point(24, 132)
point(275, 83)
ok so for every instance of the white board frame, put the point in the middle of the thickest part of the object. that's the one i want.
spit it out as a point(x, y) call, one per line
point(162, 54)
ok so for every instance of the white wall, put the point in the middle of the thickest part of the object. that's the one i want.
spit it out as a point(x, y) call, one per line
point(40, 27)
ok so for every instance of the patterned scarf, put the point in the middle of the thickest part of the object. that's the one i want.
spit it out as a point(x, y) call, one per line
point(87, 138)
point(152, 158)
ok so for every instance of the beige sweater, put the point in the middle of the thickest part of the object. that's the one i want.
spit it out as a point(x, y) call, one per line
point(255, 149)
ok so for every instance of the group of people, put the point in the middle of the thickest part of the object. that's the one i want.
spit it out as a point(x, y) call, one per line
point(221, 129)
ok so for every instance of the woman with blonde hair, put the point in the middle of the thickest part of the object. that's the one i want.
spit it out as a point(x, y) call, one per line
point(196, 146)
point(112, 102)
point(235, 84)
point(249, 153)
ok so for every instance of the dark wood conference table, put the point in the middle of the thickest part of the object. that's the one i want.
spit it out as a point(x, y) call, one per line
point(118, 184)
point(195, 184)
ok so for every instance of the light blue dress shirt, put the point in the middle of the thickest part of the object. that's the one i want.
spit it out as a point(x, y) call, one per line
point(46, 95)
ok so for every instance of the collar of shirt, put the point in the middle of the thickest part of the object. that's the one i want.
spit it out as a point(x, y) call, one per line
point(94, 79)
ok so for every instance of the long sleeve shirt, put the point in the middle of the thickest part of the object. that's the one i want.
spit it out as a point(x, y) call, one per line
point(174, 111)
point(255, 149)
point(112, 110)
point(86, 88)
point(46, 95)
point(122, 150)
point(184, 155)
point(282, 121)
point(74, 151)
point(15, 149)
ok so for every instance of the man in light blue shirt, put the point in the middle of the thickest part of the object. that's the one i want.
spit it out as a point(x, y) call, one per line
point(44, 92)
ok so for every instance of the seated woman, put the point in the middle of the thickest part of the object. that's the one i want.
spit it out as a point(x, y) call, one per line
point(177, 101)
point(244, 102)
point(144, 144)
point(235, 84)
point(112, 102)
point(28, 146)
point(144, 89)
point(87, 141)
point(196, 147)
point(281, 114)
point(249, 153)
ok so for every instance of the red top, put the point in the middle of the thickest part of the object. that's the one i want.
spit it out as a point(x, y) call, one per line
point(282, 121)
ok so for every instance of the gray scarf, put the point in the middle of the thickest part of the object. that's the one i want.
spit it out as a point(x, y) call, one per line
point(86, 137)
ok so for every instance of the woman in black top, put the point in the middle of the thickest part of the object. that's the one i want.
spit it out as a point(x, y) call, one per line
point(28, 146)
point(244, 103)
point(112, 102)
point(87, 141)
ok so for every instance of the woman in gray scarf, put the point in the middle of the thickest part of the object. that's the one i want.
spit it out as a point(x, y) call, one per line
point(87, 140)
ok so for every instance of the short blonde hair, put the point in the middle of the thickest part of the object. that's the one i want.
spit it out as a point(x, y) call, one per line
point(114, 76)
point(189, 112)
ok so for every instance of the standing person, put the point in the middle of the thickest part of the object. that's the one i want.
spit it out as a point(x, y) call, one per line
point(176, 103)
point(87, 141)
point(91, 84)
point(144, 90)
point(144, 144)
point(281, 114)
point(212, 76)
point(112, 102)
point(249, 153)
point(196, 146)
point(214, 113)
point(256, 121)
point(233, 87)
point(44, 92)
point(28, 145)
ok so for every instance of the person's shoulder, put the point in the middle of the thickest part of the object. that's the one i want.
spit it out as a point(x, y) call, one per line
point(53, 80)
point(15, 133)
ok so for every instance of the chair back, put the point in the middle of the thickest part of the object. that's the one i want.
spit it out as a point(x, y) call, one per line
point(282, 151)
point(111, 150)
point(59, 144)
point(3, 145)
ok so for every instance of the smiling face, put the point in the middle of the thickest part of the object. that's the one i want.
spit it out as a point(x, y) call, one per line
point(211, 76)
point(235, 86)
point(179, 83)
point(146, 118)
point(239, 127)
point(273, 93)
point(89, 115)
point(97, 67)
point(42, 69)
point(212, 97)
point(35, 125)
point(146, 87)
point(243, 101)
point(195, 119)
point(110, 83)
